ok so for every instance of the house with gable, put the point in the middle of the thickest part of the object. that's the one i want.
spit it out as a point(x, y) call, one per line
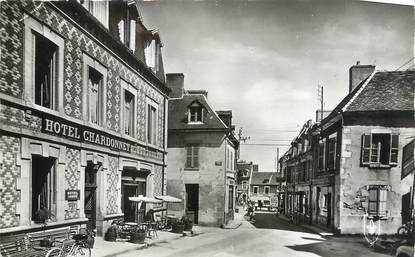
point(202, 150)
point(264, 186)
point(358, 151)
point(244, 170)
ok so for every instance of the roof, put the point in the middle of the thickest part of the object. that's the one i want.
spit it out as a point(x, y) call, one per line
point(178, 118)
point(381, 91)
point(386, 91)
point(263, 178)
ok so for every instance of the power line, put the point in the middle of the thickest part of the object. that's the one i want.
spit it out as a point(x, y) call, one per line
point(405, 63)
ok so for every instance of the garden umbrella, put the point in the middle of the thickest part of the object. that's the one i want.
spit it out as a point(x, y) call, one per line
point(168, 199)
point(143, 199)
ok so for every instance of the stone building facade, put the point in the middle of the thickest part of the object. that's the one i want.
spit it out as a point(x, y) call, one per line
point(357, 155)
point(201, 160)
point(82, 113)
point(244, 171)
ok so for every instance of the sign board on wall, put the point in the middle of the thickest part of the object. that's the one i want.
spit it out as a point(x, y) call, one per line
point(72, 195)
point(64, 128)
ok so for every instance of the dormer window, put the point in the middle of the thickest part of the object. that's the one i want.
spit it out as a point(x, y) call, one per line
point(195, 113)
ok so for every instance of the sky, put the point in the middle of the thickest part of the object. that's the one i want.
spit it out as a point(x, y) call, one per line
point(264, 60)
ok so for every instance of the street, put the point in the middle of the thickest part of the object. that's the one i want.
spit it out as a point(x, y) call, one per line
point(269, 236)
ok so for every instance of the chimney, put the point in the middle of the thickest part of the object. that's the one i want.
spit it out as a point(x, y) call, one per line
point(255, 168)
point(358, 73)
point(175, 81)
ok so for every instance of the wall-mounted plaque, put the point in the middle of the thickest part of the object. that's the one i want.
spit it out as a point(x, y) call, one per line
point(72, 195)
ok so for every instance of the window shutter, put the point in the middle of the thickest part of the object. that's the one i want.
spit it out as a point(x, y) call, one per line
point(382, 201)
point(195, 156)
point(394, 148)
point(366, 148)
point(121, 30)
point(188, 157)
point(132, 35)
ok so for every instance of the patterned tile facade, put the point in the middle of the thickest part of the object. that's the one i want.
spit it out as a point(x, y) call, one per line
point(9, 172)
point(18, 118)
point(11, 83)
point(112, 179)
point(11, 35)
point(72, 177)
point(76, 43)
point(158, 180)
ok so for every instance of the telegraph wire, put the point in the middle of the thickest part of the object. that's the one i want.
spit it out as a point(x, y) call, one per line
point(405, 63)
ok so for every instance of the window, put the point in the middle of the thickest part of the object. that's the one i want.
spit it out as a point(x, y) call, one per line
point(152, 53)
point(129, 107)
point(43, 188)
point(192, 157)
point(94, 86)
point(255, 190)
point(244, 185)
point(380, 149)
point(151, 121)
point(377, 200)
point(95, 96)
point(266, 190)
point(331, 161)
point(195, 113)
point(43, 66)
point(97, 8)
point(321, 155)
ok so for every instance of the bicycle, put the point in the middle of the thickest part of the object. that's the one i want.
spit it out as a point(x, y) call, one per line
point(73, 249)
point(405, 230)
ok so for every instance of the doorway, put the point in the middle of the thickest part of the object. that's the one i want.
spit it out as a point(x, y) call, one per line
point(328, 199)
point(133, 184)
point(192, 202)
point(90, 203)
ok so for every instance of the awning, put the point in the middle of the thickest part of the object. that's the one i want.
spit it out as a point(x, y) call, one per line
point(169, 199)
point(143, 199)
point(259, 198)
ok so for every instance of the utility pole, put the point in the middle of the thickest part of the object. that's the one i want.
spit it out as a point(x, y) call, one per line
point(241, 138)
point(278, 158)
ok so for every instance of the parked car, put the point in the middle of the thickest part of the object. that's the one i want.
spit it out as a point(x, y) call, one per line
point(405, 251)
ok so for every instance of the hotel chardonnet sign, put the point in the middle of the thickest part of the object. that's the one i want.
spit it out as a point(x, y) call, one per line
point(60, 127)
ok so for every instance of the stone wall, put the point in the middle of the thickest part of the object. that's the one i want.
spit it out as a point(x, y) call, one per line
point(211, 180)
point(355, 180)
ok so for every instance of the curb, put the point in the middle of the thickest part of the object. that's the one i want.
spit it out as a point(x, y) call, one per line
point(232, 227)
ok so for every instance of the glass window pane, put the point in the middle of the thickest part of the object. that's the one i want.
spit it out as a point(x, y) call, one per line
point(373, 196)
point(372, 207)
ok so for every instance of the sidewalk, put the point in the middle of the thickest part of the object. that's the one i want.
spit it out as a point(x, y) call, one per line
point(315, 229)
point(104, 248)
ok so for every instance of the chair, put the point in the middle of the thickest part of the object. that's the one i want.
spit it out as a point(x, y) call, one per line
point(152, 230)
point(159, 221)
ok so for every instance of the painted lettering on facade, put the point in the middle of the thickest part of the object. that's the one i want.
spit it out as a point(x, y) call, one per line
point(85, 134)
